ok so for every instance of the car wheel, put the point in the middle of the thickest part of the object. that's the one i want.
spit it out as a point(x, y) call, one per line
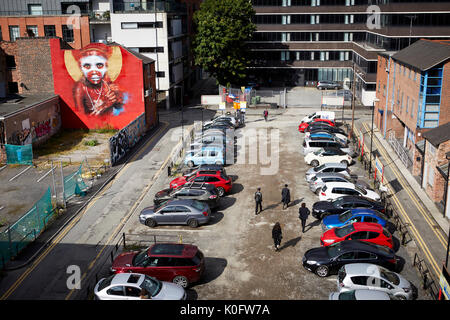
point(220, 191)
point(193, 223)
point(322, 271)
point(401, 297)
point(150, 223)
point(314, 163)
point(190, 164)
point(181, 281)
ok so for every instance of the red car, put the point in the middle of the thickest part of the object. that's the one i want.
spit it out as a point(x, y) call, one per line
point(218, 179)
point(305, 125)
point(363, 231)
point(182, 264)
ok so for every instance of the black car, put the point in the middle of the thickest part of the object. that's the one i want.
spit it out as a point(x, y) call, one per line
point(219, 125)
point(324, 261)
point(322, 209)
point(202, 192)
point(317, 126)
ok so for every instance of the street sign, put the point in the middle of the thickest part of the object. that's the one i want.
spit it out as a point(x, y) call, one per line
point(222, 106)
point(243, 104)
point(379, 167)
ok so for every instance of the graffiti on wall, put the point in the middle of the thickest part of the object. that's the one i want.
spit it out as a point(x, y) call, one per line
point(34, 132)
point(121, 143)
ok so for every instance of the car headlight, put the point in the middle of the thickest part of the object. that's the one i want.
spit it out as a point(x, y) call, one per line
point(328, 241)
point(406, 290)
point(311, 262)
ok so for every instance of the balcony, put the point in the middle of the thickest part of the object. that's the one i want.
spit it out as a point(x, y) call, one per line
point(168, 6)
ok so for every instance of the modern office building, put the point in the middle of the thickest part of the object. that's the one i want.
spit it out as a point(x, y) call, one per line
point(305, 41)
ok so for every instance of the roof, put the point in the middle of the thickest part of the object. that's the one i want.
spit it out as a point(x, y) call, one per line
point(424, 54)
point(438, 135)
point(138, 55)
point(362, 269)
point(16, 103)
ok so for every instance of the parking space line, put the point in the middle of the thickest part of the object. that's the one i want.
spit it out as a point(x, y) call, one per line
point(17, 175)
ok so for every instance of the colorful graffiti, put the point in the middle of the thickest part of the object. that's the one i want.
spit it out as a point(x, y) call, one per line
point(121, 143)
point(98, 84)
point(31, 134)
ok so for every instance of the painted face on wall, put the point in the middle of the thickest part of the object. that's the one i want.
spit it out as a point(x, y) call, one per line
point(94, 68)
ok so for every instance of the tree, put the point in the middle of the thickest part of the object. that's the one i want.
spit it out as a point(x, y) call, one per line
point(222, 29)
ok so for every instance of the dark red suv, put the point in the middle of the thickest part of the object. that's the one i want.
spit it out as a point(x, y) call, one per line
point(182, 264)
point(217, 178)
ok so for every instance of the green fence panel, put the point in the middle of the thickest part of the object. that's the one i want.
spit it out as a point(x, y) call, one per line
point(74, 184)
point(19, 154)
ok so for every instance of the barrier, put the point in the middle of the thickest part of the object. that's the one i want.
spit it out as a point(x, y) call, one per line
point(17, 154)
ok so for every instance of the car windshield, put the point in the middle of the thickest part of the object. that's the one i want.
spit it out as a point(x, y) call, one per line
point(319, 168)
point(317, 152)
point(140, 258)
point(152, 285)
point(197, 205)
point(334, 250)
point(337, 202)
point(361, 190)
point(390, 276)
point(345, 230)
point(313, 179)
point(348, 295)
point(105, 282)
point(345, 216)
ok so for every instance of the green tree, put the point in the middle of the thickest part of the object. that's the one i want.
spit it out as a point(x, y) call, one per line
point(222, 29)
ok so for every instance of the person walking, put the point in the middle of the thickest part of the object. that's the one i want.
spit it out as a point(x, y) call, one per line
point(277, 235)
point(285, 196)
point(303, 213)
point(266, 114)
point(258, 200)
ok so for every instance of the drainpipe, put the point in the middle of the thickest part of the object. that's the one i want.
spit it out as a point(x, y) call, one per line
point(387, 97)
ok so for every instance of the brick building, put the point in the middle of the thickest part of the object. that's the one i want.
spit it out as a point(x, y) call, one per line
point(413, 86)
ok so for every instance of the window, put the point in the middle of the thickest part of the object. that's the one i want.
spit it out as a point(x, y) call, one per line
point(132, 291)
point(13, 87)
point(151, 49)
point(1, 35)
point(360, 280)
point(35, 9)
point(160, 74)
point(67, 33)
point(359, 235)
point(49, 31)
point(365, 255)
point(141, 25)
point(32, 31)
point(10, 62)
point(14, 32)
point(372, 235)
point(412, 108)
point(431, 176)
point(116, 291)
point(407, 105)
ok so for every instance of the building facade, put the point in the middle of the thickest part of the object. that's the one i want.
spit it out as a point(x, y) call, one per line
point(305, 41)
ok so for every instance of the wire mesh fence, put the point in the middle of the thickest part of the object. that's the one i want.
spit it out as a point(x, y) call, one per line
point(19, 154)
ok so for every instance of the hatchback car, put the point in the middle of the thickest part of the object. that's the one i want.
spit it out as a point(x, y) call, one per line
point(321, 209)
point(324, 261)
point(128, 286)
point(204, 168)
point(362, 231)
point(188, 212)
point(366, 276)
point(304, 125)
point(316, 126)
point(324, 84)
point(333, 190)
point(359, 294)
point(319, 180)
point(182, 264)
point(218, 179)
point(327, 155)
point(337, 167)
point(327, 135)
point(354, 215)
point(206, 155)
point(202, 192)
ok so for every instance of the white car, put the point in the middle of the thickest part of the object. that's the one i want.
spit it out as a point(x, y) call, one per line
point(128, 286)
point(332, 155)
point(333, 190)
point(359, 294)
point(339, 136)
point(374, 277)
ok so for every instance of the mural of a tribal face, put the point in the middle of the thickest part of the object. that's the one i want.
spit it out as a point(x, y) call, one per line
point(94, 68)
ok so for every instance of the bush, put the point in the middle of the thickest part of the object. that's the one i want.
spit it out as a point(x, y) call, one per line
point(91, 143)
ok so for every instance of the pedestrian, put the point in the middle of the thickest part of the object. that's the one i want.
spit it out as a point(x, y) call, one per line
point(258, 200)
point(277, 235)
point(303, 213)
point(266, 114)
point(285, 196)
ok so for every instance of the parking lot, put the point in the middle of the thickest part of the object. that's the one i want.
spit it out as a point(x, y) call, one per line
point(241, 262)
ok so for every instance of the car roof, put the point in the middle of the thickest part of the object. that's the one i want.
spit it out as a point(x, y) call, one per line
point(330, 175)
point(365, 211)
point(353, 269)
point(340, 184)
point(335, 165)
point(126, 278)
point(350, 198)
point(197, 185)
point(181, 202)
point(172, 249)
point(367, 226)
point(366, 294)
point(348, 245)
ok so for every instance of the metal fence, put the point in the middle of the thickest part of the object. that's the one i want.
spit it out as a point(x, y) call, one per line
point(19, 154)
point(402, 153)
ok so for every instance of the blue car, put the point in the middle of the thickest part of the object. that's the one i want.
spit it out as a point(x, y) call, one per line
point(205, 155)
point(353, 215)
point(325, 135)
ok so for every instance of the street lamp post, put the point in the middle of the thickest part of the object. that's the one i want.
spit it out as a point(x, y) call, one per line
point(371, 135)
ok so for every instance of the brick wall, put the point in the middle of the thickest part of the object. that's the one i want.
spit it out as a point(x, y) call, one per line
point(12, 75)
point(444, 115)
point(436, 190)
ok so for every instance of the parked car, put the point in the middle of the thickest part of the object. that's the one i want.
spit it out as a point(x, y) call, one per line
point(354, 215)
point(206, 155)
point(202, 192)
point(324, 261)
point(314, 144)
point(219, 125)
point(188, 212)
point(227, 118)
point(128, 286)
point(319, 180)
point(325, 84)
point(182, 264)
point(333, 190)
point(321, 126)
point(321, 209)
point(327, 135)
point(327, 155)
point(302, 127)
point(362, 231)
point(205, 168)
point(218, 179)
point(359, 294)
point(329, 115)
point(341, 168)
point(366, 276)
point(347, 94)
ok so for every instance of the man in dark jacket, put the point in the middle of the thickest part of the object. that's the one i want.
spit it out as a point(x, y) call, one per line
point(258, 200)
point(303, 214)
point(285, 196)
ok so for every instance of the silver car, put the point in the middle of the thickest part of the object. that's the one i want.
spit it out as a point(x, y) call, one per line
point(128, 286)
point(328, 168)
point(360, 294)
point(190, 212)
point(319, 180)
point(374, 277)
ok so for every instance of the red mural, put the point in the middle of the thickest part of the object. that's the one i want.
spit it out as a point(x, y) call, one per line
point(99, 85)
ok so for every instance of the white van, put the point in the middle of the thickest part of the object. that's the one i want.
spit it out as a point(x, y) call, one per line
point(329, 115)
